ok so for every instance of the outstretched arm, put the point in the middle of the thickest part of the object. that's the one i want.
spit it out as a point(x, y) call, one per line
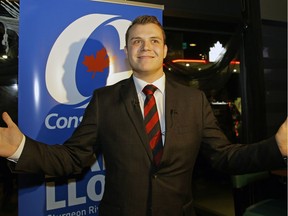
point(10, 137)
point(281, 138)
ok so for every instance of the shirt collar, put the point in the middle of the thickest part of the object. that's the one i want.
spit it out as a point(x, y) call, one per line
point(140, 84)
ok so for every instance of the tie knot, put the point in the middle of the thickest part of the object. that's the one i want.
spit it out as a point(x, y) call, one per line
point(149, 89)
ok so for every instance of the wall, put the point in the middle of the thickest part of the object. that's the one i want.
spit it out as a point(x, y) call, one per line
point(274, 10)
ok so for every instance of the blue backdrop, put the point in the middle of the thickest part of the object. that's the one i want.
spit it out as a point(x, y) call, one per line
point(68, 48)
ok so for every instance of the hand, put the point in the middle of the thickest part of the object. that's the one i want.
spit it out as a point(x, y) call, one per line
point(10, 137)
point(281, 138)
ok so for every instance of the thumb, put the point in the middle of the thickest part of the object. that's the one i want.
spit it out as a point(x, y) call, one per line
point(7, 119)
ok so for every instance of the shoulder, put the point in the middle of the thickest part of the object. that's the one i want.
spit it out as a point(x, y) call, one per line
point(173, 85)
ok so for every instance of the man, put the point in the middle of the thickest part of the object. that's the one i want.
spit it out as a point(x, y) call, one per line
point(136, 184)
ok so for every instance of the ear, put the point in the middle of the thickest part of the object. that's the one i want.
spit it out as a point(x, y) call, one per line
point(126, 50)
point(165, 51)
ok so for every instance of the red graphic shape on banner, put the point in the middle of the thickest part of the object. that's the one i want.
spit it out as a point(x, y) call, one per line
point(98, 63)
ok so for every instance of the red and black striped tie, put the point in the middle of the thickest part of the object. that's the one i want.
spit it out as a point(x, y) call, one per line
point(152, 124)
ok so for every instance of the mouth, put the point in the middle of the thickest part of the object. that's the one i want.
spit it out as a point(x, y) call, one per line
point(145, 57)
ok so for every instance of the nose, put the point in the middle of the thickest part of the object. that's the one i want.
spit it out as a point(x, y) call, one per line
point(146, 45)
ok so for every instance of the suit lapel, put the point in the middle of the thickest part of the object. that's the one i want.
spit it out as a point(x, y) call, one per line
point(130, 99)
point(171, 114)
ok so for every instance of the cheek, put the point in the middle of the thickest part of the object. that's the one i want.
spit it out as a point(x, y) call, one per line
point(133, 50)
point(160, 52)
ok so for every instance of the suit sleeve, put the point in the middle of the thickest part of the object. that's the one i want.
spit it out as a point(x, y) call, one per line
point(236, 158)
point(63, 160)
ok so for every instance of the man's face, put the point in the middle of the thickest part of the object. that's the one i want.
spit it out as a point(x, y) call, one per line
point(146, 49)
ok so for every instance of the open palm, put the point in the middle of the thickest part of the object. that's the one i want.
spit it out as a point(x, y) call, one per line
point(10, 137)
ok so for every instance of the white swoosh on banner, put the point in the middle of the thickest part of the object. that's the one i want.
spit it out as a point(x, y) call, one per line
point(121, 25)
point(76, 33)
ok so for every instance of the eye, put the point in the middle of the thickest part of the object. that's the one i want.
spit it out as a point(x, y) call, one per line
point(136, 42)
point(155, 41)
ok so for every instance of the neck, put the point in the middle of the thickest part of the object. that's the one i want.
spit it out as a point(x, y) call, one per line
point(149, 78)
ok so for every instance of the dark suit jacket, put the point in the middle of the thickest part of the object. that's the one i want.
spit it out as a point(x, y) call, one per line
point(133, 186)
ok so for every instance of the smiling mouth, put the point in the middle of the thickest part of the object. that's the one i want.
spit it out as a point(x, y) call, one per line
point(143, 57)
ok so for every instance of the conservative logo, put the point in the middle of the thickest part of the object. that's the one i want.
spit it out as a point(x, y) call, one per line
point(88, 54)
point(88, 51)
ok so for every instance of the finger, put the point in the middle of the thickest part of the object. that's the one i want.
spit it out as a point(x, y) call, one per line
point(7, 119)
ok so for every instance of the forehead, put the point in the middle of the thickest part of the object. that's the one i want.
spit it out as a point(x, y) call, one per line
point(145, 31)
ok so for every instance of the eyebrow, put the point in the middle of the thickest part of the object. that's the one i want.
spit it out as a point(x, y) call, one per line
point(153, 37)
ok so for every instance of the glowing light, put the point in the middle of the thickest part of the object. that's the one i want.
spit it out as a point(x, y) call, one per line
point(36, 91)
point(216, 52)
point(188, 61)
point(15, 87)
point(234, 62)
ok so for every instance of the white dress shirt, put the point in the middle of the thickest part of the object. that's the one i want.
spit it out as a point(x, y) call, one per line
point(159, 95)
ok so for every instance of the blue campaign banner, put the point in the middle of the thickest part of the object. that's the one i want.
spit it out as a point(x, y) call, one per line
point(67, 49)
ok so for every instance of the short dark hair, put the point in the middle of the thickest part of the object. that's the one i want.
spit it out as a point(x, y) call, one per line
point(142, 20)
